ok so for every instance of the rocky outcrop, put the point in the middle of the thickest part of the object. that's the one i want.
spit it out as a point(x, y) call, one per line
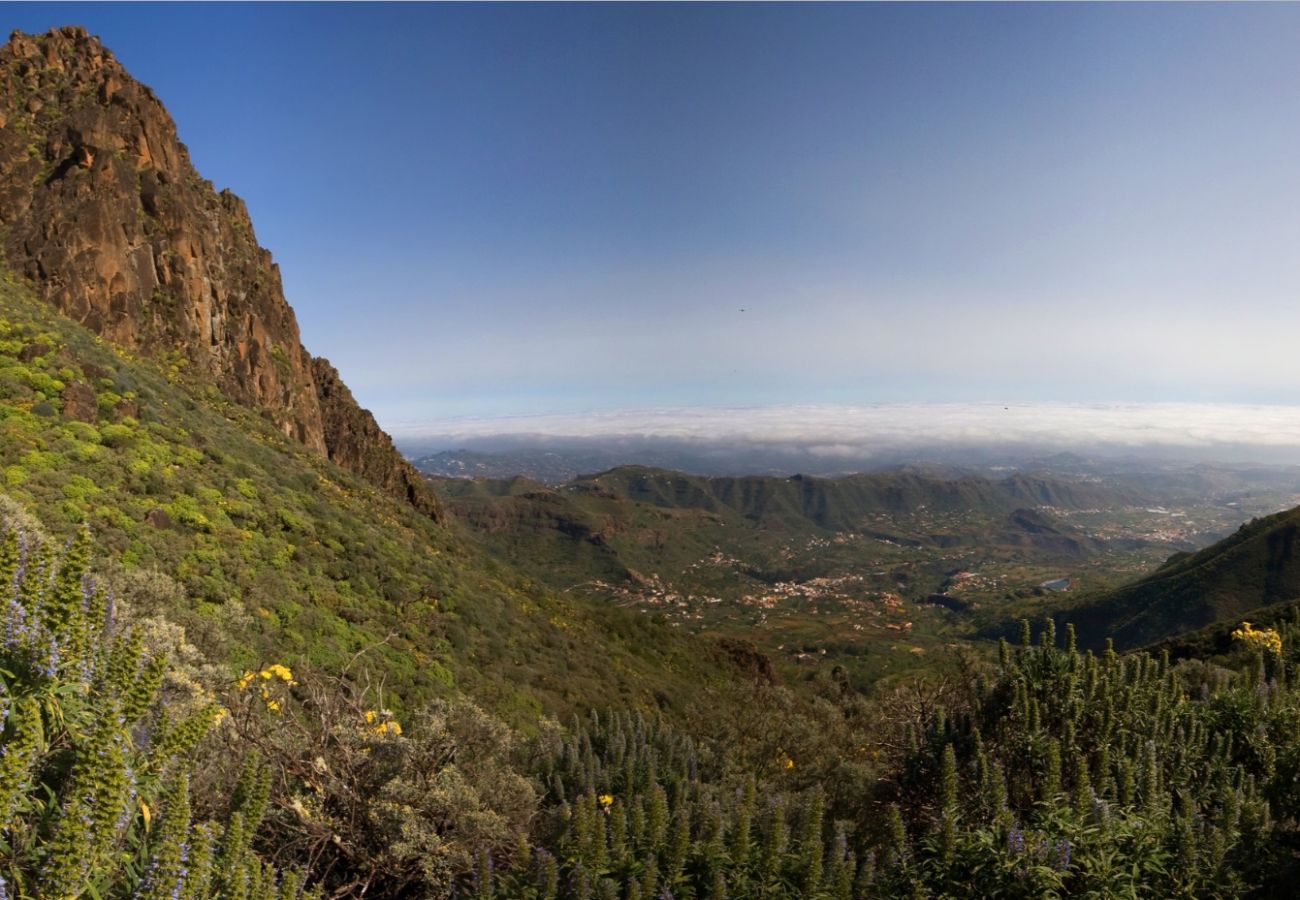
point(102, 210)
point(355, 441)
point(79, 403)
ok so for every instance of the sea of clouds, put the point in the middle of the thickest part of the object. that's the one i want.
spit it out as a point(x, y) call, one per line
point(1213, 431)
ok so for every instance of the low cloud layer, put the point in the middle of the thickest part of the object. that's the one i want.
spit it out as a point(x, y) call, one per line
point(1212, 432)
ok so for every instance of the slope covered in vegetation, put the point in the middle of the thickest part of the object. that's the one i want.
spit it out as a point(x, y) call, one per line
point(275, 547)
point(1258, 566)
point(128, 767)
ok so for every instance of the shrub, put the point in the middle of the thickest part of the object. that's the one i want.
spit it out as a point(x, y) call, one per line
point(94, 792)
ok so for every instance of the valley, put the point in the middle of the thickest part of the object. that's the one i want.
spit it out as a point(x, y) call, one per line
point(870, 573)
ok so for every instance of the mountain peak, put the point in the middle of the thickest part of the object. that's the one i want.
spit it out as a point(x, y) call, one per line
point(102, 210)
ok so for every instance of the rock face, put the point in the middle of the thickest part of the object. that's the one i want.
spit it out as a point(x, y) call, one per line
point(355, 441)
point(102, 210)
point(79, 402)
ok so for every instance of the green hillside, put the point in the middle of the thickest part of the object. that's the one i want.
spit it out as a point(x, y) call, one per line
point(1256, 567)
point(276, 553)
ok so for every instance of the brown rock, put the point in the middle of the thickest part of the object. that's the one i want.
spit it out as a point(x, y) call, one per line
point(126, 409)
point(79, 402)
point(94, 372)
point(125, 237)
point(746, 657)
point(354, 440)
point(32, 351)
point(158, 518)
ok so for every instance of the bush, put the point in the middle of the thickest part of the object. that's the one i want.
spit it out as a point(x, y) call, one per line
point(94, 756)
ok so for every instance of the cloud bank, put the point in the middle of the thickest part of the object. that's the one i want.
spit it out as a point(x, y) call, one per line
point(850, 433)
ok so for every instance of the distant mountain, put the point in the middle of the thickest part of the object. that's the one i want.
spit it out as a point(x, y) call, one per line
point(631, 520)
point(547, 467)
point(842, 504)
point(103, 212)
point(1258, 566)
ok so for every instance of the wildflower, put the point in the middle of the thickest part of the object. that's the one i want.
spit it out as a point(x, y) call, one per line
point(245, 680)
point(1062, 852)
point(606, 800)
point(382, 722)
point(1016, 841)
point(273, 705)
point(51, 666)
point(279, 671)
point(1266, 639)
point(110, 612)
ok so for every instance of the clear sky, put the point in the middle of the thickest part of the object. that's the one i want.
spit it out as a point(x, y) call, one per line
point(494, 209)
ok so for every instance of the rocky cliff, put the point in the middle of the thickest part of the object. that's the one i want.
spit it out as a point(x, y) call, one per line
point(356, 442)
point(102, 210)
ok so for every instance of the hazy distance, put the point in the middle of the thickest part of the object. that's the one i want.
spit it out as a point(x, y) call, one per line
point(839, 438)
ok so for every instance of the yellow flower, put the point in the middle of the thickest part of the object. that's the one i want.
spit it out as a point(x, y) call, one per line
point(606, 800)
point(278, 671)
point(789, 763)
point(382, 722)
point(244, 682)
point(273, 705)
point(1266, 639)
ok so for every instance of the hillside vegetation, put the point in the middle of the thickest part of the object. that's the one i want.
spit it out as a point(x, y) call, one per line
point(127, 770)
point(1256, 567)
point(268, 546)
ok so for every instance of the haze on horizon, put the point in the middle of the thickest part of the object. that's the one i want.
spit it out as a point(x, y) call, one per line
point(497, 210)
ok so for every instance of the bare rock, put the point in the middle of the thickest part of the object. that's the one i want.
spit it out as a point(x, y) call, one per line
point(355, 441)
point(126, 409)
point(94, 372)
point(33, 351)
point(79, 402)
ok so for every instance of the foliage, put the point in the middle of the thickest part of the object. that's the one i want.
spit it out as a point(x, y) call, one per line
point(371, 806)
point(95, 753)
point(280, 554)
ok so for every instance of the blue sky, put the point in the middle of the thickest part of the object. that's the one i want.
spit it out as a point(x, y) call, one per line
point(494, 209)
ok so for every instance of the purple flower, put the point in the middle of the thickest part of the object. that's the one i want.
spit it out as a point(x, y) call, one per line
point(1016, 841)
point(16, 628)
point(20, 572)
point(1062, 861)
point(51, 658)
